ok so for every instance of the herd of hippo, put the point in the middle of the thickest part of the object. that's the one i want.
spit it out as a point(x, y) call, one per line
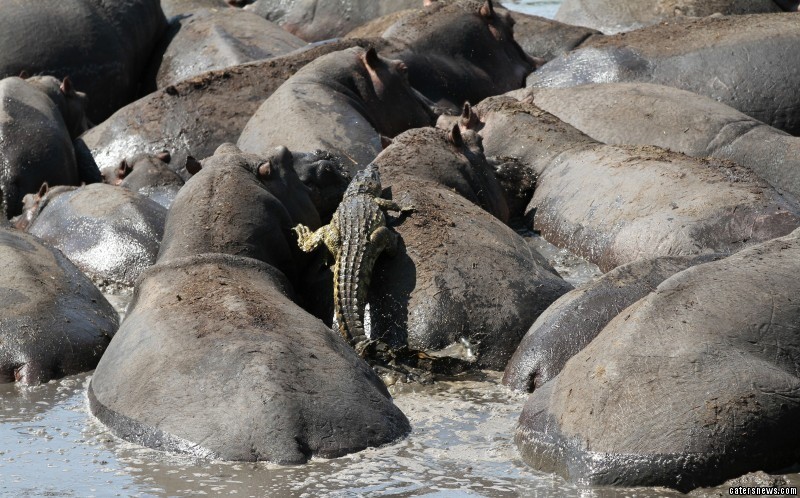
point(195, 153)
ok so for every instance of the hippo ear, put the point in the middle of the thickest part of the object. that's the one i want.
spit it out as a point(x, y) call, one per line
point(164, 156)
point(264, 170)
point(487, 10)
point(43, 190)
point(469, 118)
point(193, 165)
point(123, 169)
point(455, 137)
point(24, 74)
point(370, 58)
point(66, 86)
point(386, 141)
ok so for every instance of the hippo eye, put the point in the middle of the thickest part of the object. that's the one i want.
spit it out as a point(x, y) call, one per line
point(402, 68)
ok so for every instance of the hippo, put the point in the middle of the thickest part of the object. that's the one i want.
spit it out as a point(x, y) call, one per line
point(704, 56)
point(150, 176)
point(206, 39)
point(205, 218)
point(459, 51)
point(246, 205)
point(575, 319)
point(53, 321)
point(195, 116)
point(216, 318)
point(318, 20)
point(105, 50)
point(698, 126)
point(39, 118)
point(689, 386)
point(541, 38)
point(111, 233)
point(613, 204)
point(342, 103)
point(463, 284)
point(216, 360)
point(615, 16)
point(450, 160)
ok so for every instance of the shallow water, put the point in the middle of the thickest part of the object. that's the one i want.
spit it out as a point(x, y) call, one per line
point(544, 8)
point(460, 446)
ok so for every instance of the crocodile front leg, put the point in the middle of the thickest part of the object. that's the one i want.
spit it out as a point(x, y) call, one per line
point(388, 205)
point(308, 241)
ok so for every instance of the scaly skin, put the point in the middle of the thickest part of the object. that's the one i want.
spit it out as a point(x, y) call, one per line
point(356, 236)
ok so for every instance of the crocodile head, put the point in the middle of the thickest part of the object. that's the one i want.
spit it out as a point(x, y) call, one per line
point(366, 181)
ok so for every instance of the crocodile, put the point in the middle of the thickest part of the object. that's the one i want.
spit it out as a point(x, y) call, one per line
point(356, 236)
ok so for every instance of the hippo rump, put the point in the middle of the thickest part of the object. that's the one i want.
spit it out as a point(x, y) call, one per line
point(613, 204)
point(39, 118)
point(53, 321)
point(459, 51)
point(206, 39)
point(691, 385)
point(197, 115)
point(615, 16)
point(747, 62)
point(112, 234)
point(104, 50)
point(463, 284)
point(342, 103)
point(215, 359)
point(698, 126)
point(575, 319)
point(318, 20)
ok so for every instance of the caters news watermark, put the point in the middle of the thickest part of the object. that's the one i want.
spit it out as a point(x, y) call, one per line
point(762, 491)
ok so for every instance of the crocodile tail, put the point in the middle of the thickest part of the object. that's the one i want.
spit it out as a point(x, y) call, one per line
point(352, 281)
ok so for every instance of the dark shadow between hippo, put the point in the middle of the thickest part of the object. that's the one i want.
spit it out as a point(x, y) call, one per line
point(391, 325)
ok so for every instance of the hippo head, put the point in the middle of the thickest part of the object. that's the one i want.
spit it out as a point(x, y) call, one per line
point(277, 174)
point(33, 204)
point(470, 34)
point(326, 178)
point(147, 170)
point(71, 103)
point(395, 106)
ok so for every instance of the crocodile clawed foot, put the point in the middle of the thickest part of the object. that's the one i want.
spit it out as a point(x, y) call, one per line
point(366, 347)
